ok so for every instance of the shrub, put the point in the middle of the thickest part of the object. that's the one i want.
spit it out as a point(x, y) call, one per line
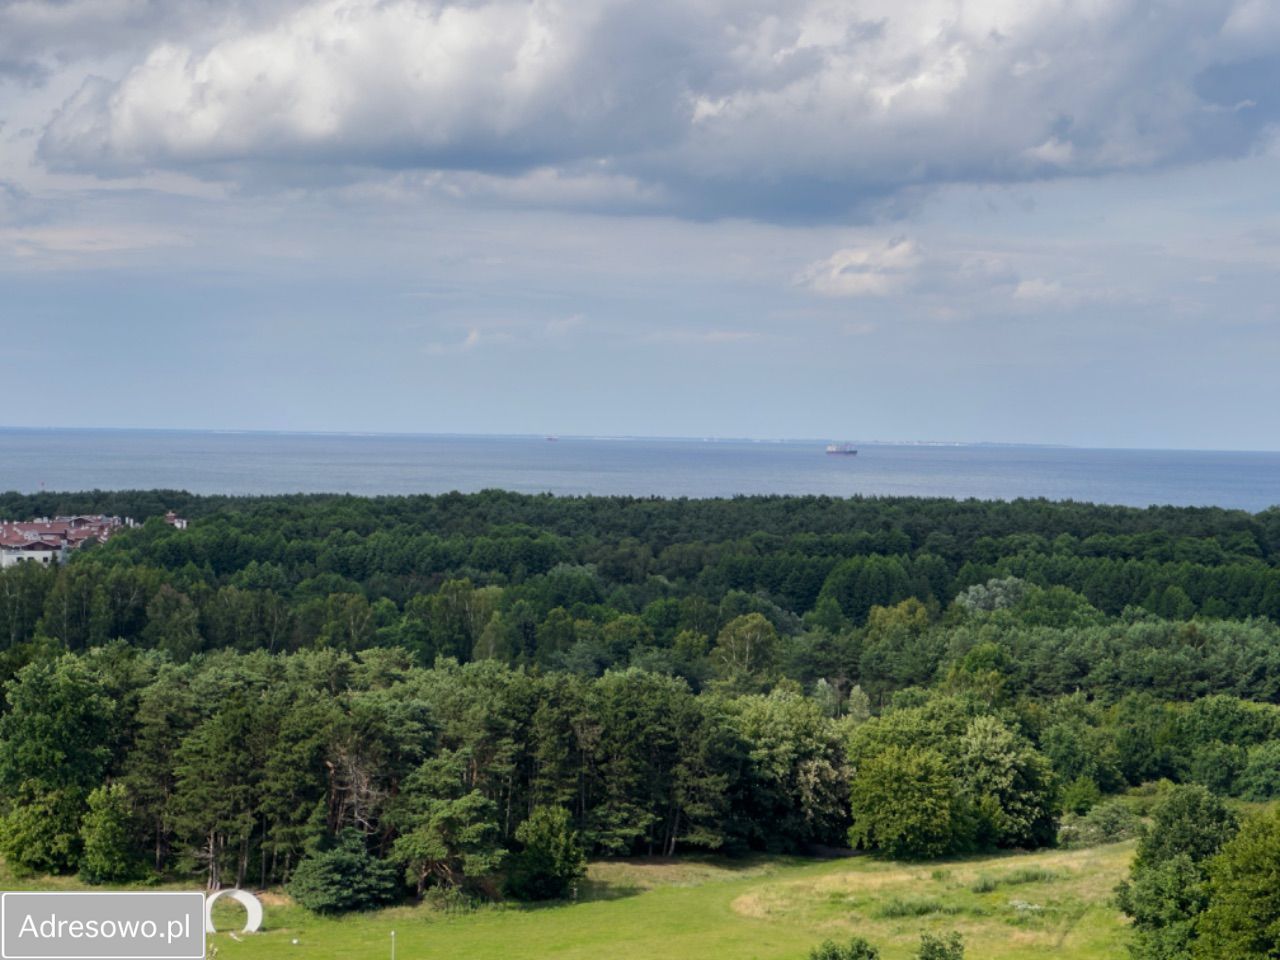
point(1080, 795)
point(1028, 875)
point(855, 949)
point(950, 947)
point(985, 883)
point(345, 878)
point(449, 900)
point(1145, 797)
point(109, 854)
point(552, 858)
point(42, 834)
point(1108, 822)
point(914, 907)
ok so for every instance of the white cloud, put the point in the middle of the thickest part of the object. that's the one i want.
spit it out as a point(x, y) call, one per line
point(1253, 26)
point(63, 245)
point(1039, 290)
point(872, 271)
point(397, 83)
point(767, 108)
point(1053, 151)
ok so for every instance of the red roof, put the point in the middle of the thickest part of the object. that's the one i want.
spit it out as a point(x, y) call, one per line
point(34, 545)
point(70, 532)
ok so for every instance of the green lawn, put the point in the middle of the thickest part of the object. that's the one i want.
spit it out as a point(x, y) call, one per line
point(1053, 903)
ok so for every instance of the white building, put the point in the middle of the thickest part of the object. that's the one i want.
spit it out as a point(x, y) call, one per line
point(47, 541)
point(33, 551)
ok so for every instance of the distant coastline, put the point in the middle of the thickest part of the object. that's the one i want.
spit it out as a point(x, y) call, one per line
point(280, 462)
point(882, 442)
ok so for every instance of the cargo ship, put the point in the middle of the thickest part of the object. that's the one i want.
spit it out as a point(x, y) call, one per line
point(842, 449)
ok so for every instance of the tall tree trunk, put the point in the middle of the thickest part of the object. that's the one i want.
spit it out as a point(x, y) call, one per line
point(211, 849)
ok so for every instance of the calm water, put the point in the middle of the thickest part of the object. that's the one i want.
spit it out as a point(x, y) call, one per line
point(259, 463)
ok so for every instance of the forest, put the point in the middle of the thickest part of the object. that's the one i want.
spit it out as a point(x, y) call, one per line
point(464, 696)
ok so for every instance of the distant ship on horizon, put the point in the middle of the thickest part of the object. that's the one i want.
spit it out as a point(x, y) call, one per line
point(842, 449)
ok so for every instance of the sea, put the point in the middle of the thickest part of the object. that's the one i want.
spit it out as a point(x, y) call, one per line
point(271, 463)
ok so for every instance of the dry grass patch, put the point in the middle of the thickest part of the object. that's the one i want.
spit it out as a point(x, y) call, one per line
point(1013, 905)
point(638, 874)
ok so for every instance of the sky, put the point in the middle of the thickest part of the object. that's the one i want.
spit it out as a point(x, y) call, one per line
point(967, 220)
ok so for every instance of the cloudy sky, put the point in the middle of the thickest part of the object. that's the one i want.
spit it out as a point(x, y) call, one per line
point(1017, 220)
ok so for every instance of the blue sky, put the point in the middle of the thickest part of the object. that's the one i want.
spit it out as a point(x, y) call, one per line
point(1014, 220)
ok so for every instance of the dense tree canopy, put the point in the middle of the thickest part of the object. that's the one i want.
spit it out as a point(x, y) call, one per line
point(293, 685)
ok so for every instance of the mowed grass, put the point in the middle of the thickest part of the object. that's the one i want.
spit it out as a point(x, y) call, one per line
point(1055, 903)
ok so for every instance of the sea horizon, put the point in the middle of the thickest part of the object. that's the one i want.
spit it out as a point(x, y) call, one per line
point(671, 438)
point(261, 462)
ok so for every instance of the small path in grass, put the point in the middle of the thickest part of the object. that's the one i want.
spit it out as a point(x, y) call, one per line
point(1015, 905)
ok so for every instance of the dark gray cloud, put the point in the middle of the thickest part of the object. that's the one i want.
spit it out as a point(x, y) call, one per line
point(820, 109)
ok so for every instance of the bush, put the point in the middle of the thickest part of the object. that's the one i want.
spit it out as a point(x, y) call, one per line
point(855, 949)
point(1080, 795)
point(449, 900)
point(1028, 875)
point(985, 883)
point(42, 835)
point(109, 854)
point(1144, 798)
point(345, 878)
point(950, 947)
point(914, 907)
point(552, 858)
point(1108, 822)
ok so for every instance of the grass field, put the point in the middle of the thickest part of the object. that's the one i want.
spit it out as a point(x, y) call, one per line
point(1053, 903)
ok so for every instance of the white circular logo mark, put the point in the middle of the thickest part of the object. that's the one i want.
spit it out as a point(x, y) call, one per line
point(251, 904)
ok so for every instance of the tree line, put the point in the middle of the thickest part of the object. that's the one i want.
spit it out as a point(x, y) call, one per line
point(235, 768)
point(589, 584)
point(469, 694)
